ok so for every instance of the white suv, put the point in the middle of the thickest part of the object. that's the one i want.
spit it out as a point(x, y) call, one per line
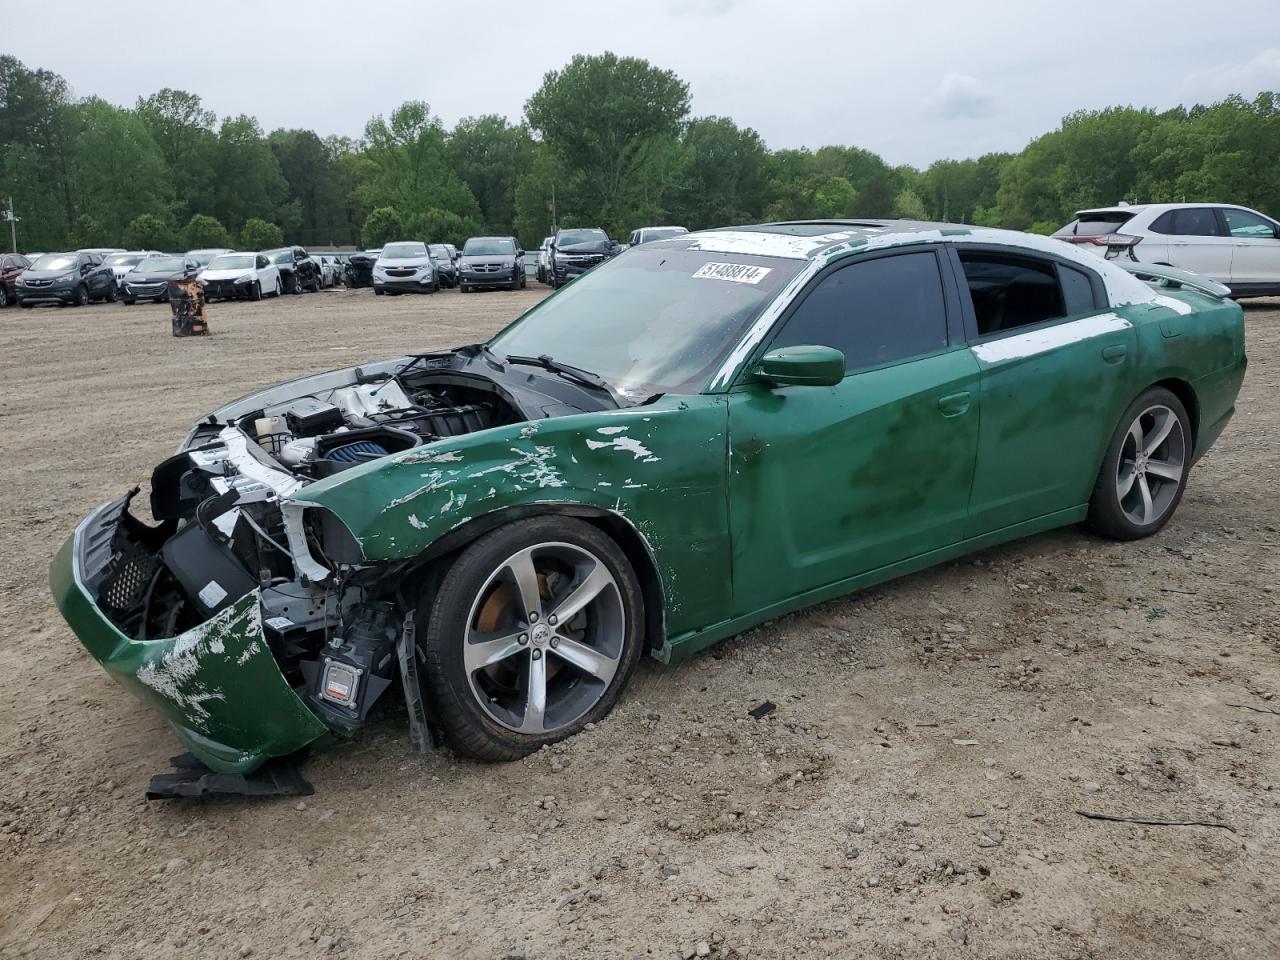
point(1233, 245)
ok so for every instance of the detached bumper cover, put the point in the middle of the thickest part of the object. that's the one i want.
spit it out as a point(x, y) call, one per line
point(217, 684)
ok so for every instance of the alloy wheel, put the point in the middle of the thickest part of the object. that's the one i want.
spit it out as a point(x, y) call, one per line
point(1151, 465)
point(544, 638)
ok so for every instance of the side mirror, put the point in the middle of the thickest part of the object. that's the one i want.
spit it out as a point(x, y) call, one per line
point(802, 366)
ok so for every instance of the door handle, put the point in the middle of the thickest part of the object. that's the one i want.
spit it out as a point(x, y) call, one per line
point(1114, 353)
point(954, 404)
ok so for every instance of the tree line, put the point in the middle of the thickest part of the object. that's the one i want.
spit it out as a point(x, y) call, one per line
point(605, 141)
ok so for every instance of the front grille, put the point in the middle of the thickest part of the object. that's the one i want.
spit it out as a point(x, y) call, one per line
point(401, 272)
point(485, 267)
point(38, 283)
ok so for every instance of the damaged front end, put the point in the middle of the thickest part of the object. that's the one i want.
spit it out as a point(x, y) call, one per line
point(247, 616)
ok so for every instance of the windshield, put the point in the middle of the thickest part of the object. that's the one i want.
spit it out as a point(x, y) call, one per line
point(651, 321)
point(232, 261)
point(566, 238)
point(160, 265)
point(661, 233)
point(55, 261)
point(404, 251)
point(123, 259)
point(202, 257)
point(439, 251)
point(280, 256)
point(489, 247)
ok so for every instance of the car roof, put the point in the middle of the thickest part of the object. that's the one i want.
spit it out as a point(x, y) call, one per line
point(811, 239)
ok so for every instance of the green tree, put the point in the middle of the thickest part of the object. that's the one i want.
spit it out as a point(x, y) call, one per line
point(149, 232)
point(489, 153)
point(88, 232)
point(907, 205)
point(724, 174)
point(183, 131)
point(875, 199)
point(120, 172)
point(602, 116)
point(203, 232)
point(258, 234)
point(440, 226)
point(404, 165)
point(383, 226)
point(246, 177)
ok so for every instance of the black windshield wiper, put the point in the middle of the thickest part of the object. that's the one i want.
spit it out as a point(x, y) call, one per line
point(584, 377)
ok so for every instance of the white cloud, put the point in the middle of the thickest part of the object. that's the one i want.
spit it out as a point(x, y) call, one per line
point(1247, 78)
point(960, 95)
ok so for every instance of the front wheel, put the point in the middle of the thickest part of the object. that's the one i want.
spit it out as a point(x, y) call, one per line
point(1144, 470)
point(535, 630)
point(256, 292)
point(112, 294)
point(4, 295)
point(82, 296)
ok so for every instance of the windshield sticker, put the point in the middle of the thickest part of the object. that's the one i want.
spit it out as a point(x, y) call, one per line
point(734, 272)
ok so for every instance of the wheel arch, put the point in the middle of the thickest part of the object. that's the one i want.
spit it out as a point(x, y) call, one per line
point(433, 561)
point(1183, 390)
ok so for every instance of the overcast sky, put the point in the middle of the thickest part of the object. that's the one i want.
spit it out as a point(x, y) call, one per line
point(912, 81)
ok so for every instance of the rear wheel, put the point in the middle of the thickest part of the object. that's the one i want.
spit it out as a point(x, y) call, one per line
point(1144, 470)
point(535, 630)
point(4, 295)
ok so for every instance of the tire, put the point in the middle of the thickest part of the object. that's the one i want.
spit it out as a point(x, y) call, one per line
point(256, 292)
point(23, 304)
point(481, 708)
point(291, 285)
point(129, 301)
point(464, 288)
point(379, 292)
point(279, 287)
point(1135, 496)
point(4, 296)
point(112, 295)
point(82, 296)
point(524, 279)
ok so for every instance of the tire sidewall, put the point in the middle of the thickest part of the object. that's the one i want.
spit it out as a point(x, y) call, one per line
point(469, 729)
point(1105, 513)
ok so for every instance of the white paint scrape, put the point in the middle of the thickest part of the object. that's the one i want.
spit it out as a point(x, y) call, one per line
point(175, 676)
point(1049, 338)
point(630, 444)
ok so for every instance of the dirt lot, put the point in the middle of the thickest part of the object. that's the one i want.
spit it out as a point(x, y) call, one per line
point(914, 794)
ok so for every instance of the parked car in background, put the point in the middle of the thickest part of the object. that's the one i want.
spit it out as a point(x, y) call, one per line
point(241, 276)
point(122, 263)
point(360, 268)
point(298, 272)
point(491, 262)
point(102, 251)
point(544, 260)
point(325, 265)
point(446, 265)
point(1231, 244)
point(574, 252)
point(405, 267)
point(11, 264)
point(66, 279)
point(649, 234)
point(149, 280)
point(203, 257)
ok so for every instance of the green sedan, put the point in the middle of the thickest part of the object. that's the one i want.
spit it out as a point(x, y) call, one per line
point(699, 435)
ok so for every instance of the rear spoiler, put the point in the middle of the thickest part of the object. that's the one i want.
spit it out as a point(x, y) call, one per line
point(1173, 277)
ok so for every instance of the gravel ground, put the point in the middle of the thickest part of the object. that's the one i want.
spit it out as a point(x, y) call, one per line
point(915, 793)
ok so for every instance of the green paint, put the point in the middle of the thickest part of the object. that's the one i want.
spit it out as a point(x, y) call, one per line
point(217, 685)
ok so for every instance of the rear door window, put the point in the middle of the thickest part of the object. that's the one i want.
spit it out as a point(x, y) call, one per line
point(1011, 291)
point(875, 312)
point(1188, 222)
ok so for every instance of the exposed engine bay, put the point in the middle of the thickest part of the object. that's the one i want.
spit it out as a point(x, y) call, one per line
point(339, 628)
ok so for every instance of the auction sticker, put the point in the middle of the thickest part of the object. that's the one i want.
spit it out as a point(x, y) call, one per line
point(734, 272)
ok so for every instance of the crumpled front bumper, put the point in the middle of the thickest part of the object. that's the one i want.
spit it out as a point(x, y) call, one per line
point(217, 685)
